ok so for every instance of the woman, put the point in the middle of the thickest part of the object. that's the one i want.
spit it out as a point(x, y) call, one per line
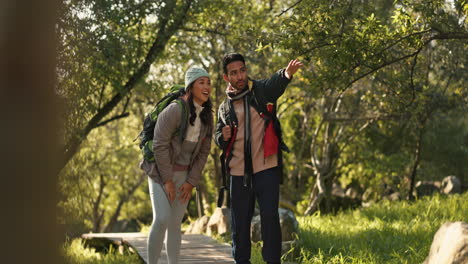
point(180, 159)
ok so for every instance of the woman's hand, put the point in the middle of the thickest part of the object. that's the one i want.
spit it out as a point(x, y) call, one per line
point(170, 190)
point(185, 192)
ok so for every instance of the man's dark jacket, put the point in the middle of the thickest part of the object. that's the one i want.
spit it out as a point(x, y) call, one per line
point(262, 93)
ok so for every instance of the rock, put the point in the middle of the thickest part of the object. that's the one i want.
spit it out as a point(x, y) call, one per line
point(287, 205)
point(220, 222)
point(424, 188)
point(256, 229)
point(198, 226)
point(450, 245)
point(369, 195)
point(396, 196)
point(337, 190)
point(288, 222)
point(451, 185)
point(353, 193)
point(123, 226)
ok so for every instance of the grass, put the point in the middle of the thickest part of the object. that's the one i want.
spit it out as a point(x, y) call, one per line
point(387, 232)
point(74, 252)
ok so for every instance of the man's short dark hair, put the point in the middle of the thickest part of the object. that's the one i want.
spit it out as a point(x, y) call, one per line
point(231, 57)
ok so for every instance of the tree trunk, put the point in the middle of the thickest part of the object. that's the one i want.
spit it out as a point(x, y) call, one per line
point(217, 168)
point(199, 200)
point(123, 200)
point(29, 140)
point(328, 197)
point(323, 168)
point(414, 167)
point(297, 173)
point(316, 196)
point(97, 216)
point(206, 204)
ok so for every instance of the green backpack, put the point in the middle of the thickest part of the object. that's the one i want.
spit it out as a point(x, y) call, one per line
point(146, 135)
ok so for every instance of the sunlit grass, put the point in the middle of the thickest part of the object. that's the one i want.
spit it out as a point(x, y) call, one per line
point(388, 232)
point(74, 252)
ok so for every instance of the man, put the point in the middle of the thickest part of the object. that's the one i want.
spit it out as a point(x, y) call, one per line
point(249, 133)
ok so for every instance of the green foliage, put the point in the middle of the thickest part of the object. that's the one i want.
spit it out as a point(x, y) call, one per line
point(75, 252)
point(400, 232)
point(446, 149)
point(101, 42)
point(366, 61)
point(256, 255)
point(389, 71)
point(100, 176)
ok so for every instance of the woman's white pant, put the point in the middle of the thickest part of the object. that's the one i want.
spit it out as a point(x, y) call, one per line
point(167, 219)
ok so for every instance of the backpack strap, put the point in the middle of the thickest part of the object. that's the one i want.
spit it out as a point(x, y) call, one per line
point(226, 117)
point(181, 132)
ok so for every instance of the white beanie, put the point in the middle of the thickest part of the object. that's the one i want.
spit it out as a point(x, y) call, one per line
point(193, 74)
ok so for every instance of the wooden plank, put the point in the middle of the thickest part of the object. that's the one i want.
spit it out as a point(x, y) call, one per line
point(194, 249)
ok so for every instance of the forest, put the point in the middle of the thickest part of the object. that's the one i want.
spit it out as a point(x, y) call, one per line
point(378, 110)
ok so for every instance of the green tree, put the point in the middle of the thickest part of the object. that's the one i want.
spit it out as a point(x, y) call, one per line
point(105, 50)
point(349, 45)
point(103, 183)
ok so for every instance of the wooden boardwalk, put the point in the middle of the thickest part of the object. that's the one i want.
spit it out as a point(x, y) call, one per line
point(196, 249)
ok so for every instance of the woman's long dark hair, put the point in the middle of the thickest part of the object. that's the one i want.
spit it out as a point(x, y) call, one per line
point(205, 115)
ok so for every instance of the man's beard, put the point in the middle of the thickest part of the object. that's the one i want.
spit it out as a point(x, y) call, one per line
point(240, 87)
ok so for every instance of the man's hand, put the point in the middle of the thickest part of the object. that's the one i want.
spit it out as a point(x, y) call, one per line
point(185, 192)
point(226, 133)
point(169, 187)
point(292, 68)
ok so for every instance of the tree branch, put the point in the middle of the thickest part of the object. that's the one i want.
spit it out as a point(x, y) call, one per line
point(289, 8)
point(445, 36)
point(126, 105)
point(313, 153)
point(451, 35)
point(351, 137)
point(213, 31)
point(403, 38)
point(112, 119)
point(122, 201)
point(383, 65)
point(413, 66)
point(165, 31)
point(101, 94)
point(358, 118)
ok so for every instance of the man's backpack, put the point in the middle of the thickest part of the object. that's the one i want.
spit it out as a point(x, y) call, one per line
point(146, 135)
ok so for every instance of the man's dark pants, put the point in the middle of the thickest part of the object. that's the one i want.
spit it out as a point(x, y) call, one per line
point(265, 189)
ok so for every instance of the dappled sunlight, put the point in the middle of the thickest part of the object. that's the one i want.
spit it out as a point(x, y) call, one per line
point(374, 235)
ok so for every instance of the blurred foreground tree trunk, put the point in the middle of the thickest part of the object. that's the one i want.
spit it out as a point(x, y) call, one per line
point(29, 151)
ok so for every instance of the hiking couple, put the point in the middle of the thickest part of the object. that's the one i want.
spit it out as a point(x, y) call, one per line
point(249, 134)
